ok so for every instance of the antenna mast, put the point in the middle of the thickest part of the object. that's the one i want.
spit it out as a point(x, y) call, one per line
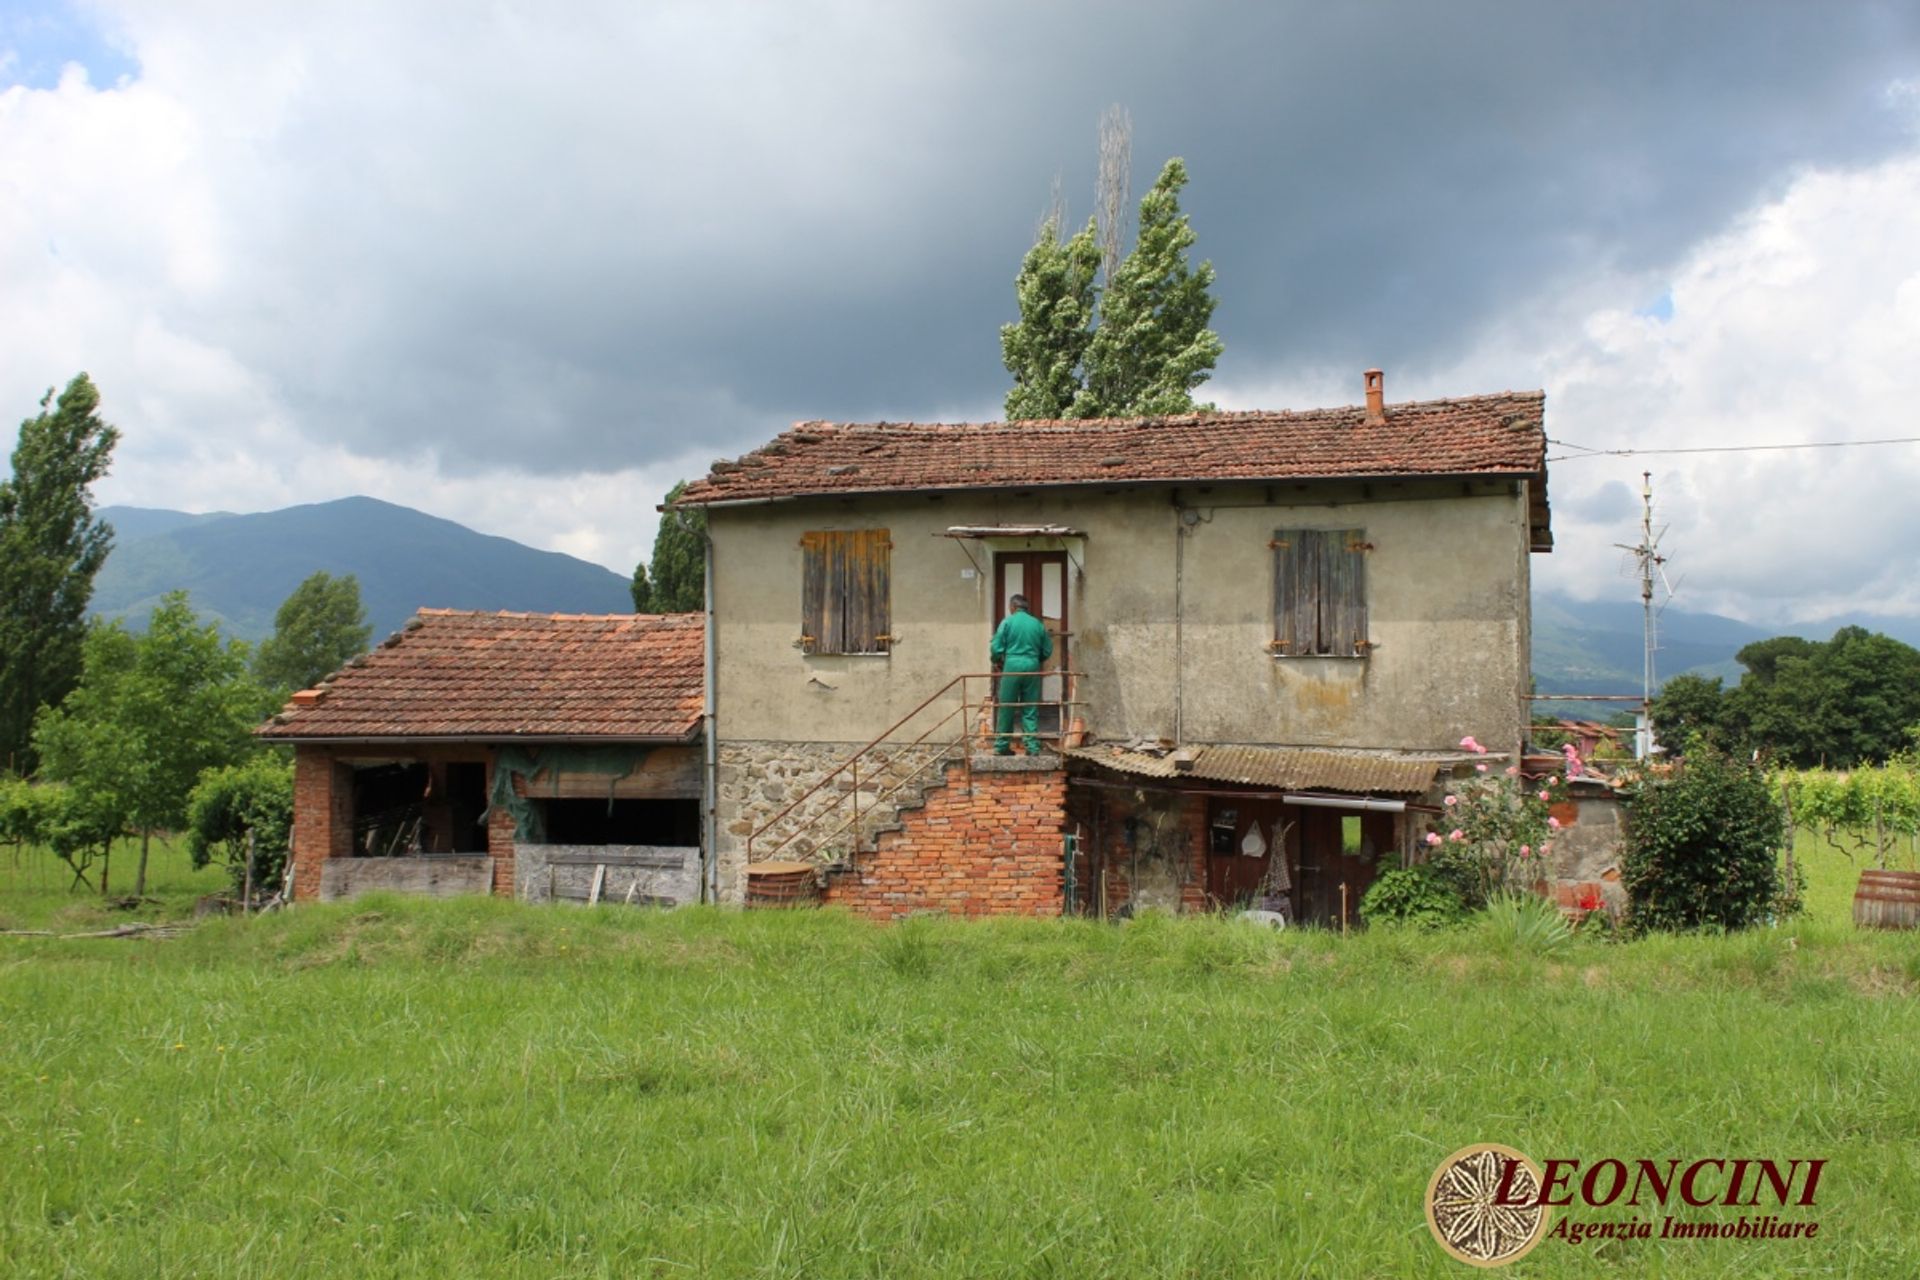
point(1650, 561)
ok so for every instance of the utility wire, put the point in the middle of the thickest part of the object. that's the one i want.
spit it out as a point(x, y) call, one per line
point(1586, 452)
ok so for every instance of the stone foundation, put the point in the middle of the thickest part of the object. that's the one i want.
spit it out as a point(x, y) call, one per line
point(759, 779)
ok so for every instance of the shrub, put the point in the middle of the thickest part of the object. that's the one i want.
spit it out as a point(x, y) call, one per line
point(1700, 847)
point(1419, 897)
point(1525, 923)
point(1495, 830)
point(230, 803)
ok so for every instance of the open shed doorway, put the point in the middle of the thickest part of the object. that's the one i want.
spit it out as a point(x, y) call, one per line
point(1322, 850)
point(1041, 576)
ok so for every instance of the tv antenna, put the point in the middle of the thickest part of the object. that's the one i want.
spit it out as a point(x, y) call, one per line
point(1651, 564)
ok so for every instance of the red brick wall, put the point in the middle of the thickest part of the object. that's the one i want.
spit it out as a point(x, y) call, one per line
point(322, 816)
point(500, 843)
point(995, 851)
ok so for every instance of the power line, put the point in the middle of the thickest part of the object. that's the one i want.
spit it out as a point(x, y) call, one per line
point(1586, 452)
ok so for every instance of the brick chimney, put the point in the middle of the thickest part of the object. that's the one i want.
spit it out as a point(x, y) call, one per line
point(1376, 398)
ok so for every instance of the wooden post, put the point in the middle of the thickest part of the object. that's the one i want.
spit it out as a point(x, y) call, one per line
point(246, 884)
point(1786, 803)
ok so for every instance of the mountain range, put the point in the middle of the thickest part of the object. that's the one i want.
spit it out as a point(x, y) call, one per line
point(238, 568)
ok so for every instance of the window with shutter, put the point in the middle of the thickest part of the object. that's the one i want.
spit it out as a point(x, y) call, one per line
point(1320, 593)
point(844, 591)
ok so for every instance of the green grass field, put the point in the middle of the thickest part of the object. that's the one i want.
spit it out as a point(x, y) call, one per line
point(475, 1088)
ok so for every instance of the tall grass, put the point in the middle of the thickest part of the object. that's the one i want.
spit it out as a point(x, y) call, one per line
point(395, 1087)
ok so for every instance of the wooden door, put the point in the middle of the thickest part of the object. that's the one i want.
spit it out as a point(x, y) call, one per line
point(1040, 576)
point(1338, 848)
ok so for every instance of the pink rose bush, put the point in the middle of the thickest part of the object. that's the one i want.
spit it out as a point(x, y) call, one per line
point(1498, 831)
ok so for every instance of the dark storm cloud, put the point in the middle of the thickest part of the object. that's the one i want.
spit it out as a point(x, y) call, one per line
point(644, 237)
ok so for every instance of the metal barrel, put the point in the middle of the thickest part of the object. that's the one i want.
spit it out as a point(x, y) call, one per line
point(1887, 900)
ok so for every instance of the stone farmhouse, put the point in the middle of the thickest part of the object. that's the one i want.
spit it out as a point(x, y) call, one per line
point(1272, 631)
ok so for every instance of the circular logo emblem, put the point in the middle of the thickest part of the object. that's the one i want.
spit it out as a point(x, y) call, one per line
point(1463, 1209)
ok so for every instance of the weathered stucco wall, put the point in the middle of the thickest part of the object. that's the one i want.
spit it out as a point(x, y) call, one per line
point(1447, 602)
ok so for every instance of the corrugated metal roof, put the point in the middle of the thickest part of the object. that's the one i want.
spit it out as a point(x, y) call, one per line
point(1282, 768)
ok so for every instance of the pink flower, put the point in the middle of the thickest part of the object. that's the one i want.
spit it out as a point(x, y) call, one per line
point(1458, 836)
point(1513, 771)
point(1546, 848)
point(1433, 837)
point(1469, 744)
point(1544, 797)
point(1526, 851)
point(1574, 767)
point(1479, 768)
point(1554, 823)
point(1452, 800)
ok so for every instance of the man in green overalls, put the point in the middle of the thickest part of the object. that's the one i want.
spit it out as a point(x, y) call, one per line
point(1020, 645)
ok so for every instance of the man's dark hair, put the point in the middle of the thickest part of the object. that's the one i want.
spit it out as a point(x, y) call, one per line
point(1019, 602)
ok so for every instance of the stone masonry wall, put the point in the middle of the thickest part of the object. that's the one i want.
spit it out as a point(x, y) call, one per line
point(759, 779)
point(993, 850)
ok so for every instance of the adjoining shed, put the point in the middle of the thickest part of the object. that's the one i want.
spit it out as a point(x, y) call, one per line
point(510, 753)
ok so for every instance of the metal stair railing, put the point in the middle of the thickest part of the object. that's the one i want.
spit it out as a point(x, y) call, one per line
point(942, 749)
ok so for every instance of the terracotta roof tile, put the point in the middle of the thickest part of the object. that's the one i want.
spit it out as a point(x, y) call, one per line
point(1500, 434)
point(452, 673)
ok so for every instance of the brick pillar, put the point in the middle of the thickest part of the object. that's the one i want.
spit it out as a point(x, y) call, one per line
point(500, 831)
point(322, 816)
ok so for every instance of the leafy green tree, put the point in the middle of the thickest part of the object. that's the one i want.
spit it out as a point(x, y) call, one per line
point(50, 549)
point(1044, 348)
point(243, 814)
point(150, 714)
point(679, 570)
point(316, 631)
point(1152, 346)
point(641, 589)
point(1689, 707)
point(1844, 702)
point(1701, 846)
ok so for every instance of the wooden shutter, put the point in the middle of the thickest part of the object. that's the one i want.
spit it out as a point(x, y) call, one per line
point(866, 591)
point(1320, 592)
point(1343, 602)
point(845, 591)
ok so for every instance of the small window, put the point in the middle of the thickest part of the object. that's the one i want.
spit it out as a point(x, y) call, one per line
point(844, 592)
point(1320, 592)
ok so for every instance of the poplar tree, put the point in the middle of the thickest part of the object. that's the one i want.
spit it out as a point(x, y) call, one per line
point(1152, 346)
point(50, 549)
point(316, 631)
point(679, 569)
point(1044, 348)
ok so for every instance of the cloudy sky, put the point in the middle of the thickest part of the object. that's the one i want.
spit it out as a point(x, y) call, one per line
point(524, 265)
